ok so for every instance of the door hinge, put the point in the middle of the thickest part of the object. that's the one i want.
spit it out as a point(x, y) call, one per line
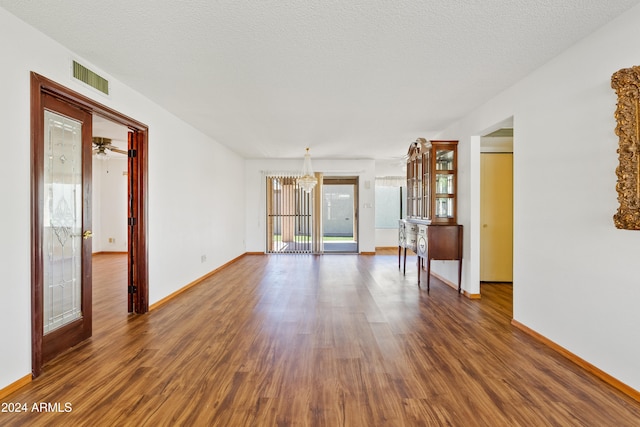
point(132, 153)
point(133, 289)
point(131, 221)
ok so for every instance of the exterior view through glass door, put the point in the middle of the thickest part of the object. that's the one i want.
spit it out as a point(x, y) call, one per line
point(340, 215)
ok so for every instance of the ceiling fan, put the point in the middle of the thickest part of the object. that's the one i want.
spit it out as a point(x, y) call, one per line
point(101, 146)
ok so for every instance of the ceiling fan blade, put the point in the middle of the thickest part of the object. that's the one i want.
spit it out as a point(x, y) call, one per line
point(117, 150)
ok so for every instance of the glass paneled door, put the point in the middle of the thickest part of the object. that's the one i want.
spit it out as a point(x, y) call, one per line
point(65, 226)
point(340, 215)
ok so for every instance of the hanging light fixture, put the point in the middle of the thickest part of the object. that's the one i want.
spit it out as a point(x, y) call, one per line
point(101, 153)
point(308, 180)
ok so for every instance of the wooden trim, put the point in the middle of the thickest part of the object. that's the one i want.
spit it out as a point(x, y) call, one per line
point(199, 280)
point(37, 191)
point(41, 85)
point(470, 295)
point(614, 382)
point(15, 386)
point(316, 236)
point(110, 253)
point(386, 248)
point(140, 254)
point(367, 253)
point(255, 253)
point(454, 286)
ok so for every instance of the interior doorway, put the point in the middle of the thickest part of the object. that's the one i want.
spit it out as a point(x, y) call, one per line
point(61, 216)
point(110, 184)
point(496, 205)
point(340, 214)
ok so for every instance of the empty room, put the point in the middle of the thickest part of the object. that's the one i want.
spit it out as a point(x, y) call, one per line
point(285, 213)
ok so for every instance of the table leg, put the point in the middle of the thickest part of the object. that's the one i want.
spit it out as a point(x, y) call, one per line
point(404, 269)
point(460, 277)
point(428, 273)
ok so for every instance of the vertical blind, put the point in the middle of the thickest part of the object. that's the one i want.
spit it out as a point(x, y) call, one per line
point(292, 224)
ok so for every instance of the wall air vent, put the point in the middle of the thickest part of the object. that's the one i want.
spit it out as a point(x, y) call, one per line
point(87, 76)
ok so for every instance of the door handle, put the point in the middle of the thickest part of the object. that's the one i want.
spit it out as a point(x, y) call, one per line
point(87, 234)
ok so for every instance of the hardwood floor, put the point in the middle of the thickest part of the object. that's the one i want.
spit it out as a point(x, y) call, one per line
point(333, 340)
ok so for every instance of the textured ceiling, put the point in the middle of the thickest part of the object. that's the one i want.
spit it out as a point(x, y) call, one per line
point(349, 78)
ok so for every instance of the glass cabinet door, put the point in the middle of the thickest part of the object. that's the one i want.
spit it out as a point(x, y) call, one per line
point(444, 182)
point(426, 180)
point(431, 181)
point(419, 187)
point(444, 207)
point(444, 160)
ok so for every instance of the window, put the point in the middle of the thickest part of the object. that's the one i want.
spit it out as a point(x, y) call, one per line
point(390, 201)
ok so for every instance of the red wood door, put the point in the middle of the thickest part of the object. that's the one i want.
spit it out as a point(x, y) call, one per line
point(62, 228)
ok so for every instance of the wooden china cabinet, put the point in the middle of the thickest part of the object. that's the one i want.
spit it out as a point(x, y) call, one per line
point(430, 228)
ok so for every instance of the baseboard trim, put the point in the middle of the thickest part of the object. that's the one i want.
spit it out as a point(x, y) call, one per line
point(110, 252)
point(255, 253)
point(454, 286)
point(15, 386)
point(470, 295)
point(367, 253)
point(169, 297)
point(614, 382)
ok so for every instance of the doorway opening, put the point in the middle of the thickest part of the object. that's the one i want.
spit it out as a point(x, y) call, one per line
point(492, 198)
point(61, 216)
point(110, 183)
point(340, 214)
point(496, 206)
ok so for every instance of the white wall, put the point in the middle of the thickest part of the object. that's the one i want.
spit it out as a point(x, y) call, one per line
point(386, 237)
point(576, 278)
point(255, 191)
point(109, 186)
point(196, 186)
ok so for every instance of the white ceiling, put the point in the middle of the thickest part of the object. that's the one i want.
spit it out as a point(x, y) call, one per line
point(349, 78)
point(117, 133)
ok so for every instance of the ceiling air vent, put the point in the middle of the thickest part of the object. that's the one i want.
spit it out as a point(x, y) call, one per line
point(87, 76)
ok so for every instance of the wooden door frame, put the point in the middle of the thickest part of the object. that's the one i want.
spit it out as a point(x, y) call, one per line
point(41, 85)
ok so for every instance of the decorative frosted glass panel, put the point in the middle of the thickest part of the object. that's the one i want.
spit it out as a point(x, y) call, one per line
point(62, 237)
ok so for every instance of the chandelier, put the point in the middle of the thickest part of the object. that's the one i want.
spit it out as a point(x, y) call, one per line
point(308, 180)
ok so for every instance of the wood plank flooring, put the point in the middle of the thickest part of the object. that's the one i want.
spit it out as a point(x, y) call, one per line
point(303, 340)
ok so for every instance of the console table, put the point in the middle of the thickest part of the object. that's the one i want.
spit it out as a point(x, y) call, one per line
point(430, 242)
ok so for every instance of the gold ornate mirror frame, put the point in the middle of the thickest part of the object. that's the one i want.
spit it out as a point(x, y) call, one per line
point(626, 83)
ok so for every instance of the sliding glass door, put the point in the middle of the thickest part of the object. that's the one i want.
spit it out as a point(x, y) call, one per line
point(340, 215)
